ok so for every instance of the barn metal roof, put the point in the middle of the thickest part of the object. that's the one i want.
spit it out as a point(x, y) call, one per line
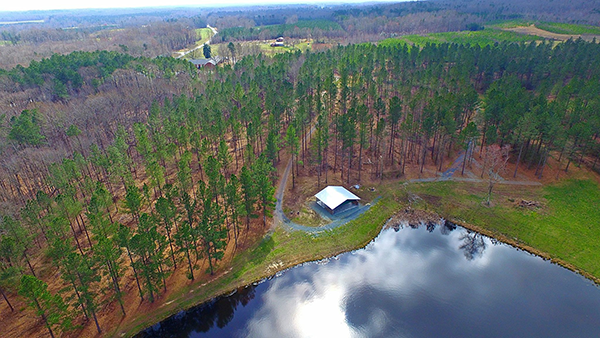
point(333, 196)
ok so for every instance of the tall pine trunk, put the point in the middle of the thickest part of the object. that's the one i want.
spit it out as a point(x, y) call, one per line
point(6, 299)
point(137, 280)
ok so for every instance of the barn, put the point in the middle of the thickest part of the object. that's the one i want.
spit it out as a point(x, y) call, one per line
point(336, 199)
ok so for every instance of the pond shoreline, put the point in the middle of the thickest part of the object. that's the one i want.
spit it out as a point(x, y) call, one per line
point(136, 327)
point(519, 245)
point(403, 215)
point(414, 217)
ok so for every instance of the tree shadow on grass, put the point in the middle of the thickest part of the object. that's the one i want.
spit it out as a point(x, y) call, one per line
point(262, 251)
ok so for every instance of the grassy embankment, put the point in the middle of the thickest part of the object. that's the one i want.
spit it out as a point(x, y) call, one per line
point(277, 251)
point(566, 229)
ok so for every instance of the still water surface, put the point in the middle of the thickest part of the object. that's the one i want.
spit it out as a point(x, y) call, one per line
point(434, 281)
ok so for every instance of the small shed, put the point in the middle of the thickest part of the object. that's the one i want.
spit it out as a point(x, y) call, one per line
point(336, 199)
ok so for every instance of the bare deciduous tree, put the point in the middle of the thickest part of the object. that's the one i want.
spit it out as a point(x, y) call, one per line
point(495, 160)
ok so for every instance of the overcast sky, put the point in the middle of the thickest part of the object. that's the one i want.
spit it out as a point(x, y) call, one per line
point(15, 5)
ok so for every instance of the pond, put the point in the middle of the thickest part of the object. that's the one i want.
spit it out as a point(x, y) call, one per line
point(430, 281)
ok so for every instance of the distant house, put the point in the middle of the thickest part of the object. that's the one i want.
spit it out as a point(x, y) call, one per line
point(207, 63)
point(336, 199)
point(278, 42)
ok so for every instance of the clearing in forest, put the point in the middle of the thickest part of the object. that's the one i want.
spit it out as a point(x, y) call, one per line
point(533, 30)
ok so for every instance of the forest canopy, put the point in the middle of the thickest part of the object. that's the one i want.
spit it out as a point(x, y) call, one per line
point(123, 168)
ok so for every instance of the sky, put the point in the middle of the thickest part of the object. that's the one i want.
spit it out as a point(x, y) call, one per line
point(26, 5)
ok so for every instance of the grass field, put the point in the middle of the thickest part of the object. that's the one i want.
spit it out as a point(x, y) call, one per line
point(504, 31)
point(549, 30)
point(484, 37)
point(203, 35)
point(268, 50)
point(265, 47)
point(564, 28)
point(566, 228)
point(508, 24)
point(553, 27)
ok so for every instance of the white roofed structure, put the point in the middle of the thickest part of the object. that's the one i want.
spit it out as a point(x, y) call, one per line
point(335, 199)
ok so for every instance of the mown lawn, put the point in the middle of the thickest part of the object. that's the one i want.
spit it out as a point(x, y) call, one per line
point(288, 248)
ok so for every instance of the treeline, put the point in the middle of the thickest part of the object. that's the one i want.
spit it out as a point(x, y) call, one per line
point(186, 178)
point(181, 219)
point(107, 90)
point(300, 29)
point(82, 73)
point(65, 72)
point(576, 11)
point(146, 39)
point(370, 23)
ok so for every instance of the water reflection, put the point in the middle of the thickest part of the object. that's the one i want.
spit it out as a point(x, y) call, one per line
point(436, 280)
point(202, 319)
point(472, 245)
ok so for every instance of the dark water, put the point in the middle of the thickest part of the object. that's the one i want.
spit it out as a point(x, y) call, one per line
point(427, 282)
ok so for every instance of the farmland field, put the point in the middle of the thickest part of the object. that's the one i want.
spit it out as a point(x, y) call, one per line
point(564, 28)
point(482, 38)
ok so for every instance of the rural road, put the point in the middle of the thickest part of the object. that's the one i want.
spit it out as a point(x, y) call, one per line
point(448, 175)
point(182, 54)
point(279, 216)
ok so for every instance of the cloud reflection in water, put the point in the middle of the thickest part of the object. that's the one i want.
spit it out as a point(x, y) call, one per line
point(417, 284)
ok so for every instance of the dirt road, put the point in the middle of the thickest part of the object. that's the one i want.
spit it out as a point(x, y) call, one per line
point(182, 54)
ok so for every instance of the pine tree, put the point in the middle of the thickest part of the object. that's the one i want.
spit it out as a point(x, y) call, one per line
point(291, 139)
point(166, 209)
point(148, 245)
point(262, 172)
point(249, 194)
point(21, 238)
point(107, 251)
point(211, 230)
point(234, 204)
point(51, 308)
point(124, 238)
